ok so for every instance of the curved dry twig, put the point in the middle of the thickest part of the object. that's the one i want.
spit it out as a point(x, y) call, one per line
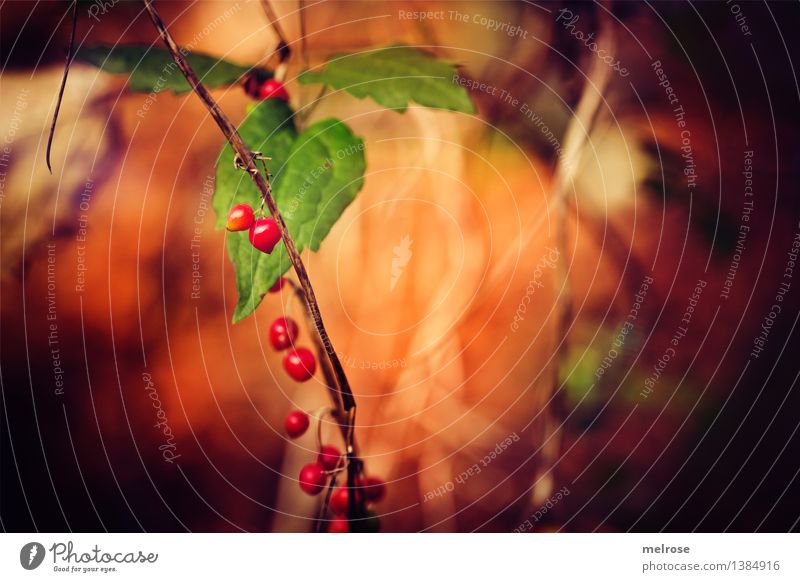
point(70, 51)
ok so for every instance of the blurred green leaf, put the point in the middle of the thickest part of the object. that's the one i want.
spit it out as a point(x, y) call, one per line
point(577, 375)
point(154, 70)
point(394, 76)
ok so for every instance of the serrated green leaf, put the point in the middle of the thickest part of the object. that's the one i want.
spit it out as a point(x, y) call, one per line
point(152, 69)
point(324, 173)
point(316, 175)
point(394, 76)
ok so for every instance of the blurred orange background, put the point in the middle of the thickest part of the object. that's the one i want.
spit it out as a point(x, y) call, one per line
point(440, 375)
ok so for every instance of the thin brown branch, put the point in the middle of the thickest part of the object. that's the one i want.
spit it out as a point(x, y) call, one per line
point(301, 8)
point(282, 50)
point(577, 135)
point(247, 158)
point(63, 83)
point(323, 508)
point(344, 418)
point(327, 371)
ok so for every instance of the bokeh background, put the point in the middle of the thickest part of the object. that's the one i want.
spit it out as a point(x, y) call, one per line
point(532, 225)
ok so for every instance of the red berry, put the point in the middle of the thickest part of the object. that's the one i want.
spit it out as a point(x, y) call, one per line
point(338, 525)
point(296, 423)
point(278, 285)
point(340, 500)
point(264, 234)
point(240, 217)
point(273, 89)
point(300, 364)
point(283, 332)
point(313, 478)
point(329, 457)
point(374, 489)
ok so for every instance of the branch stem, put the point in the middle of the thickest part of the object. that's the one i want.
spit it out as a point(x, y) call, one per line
point(344, 402)
point(282, 50)
point(345, 419)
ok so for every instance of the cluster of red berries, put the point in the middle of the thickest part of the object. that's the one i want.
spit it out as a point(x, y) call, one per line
point(367, 489)
point(300, 363)
point(264, 232)
point(314, 478)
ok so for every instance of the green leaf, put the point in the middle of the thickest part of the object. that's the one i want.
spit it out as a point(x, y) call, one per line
point(152, 70)
point(316, 175)
point(394, 76)
point(324, 173)
point(268, 128)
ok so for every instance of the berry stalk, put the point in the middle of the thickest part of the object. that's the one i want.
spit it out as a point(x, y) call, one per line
point(346, 419)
